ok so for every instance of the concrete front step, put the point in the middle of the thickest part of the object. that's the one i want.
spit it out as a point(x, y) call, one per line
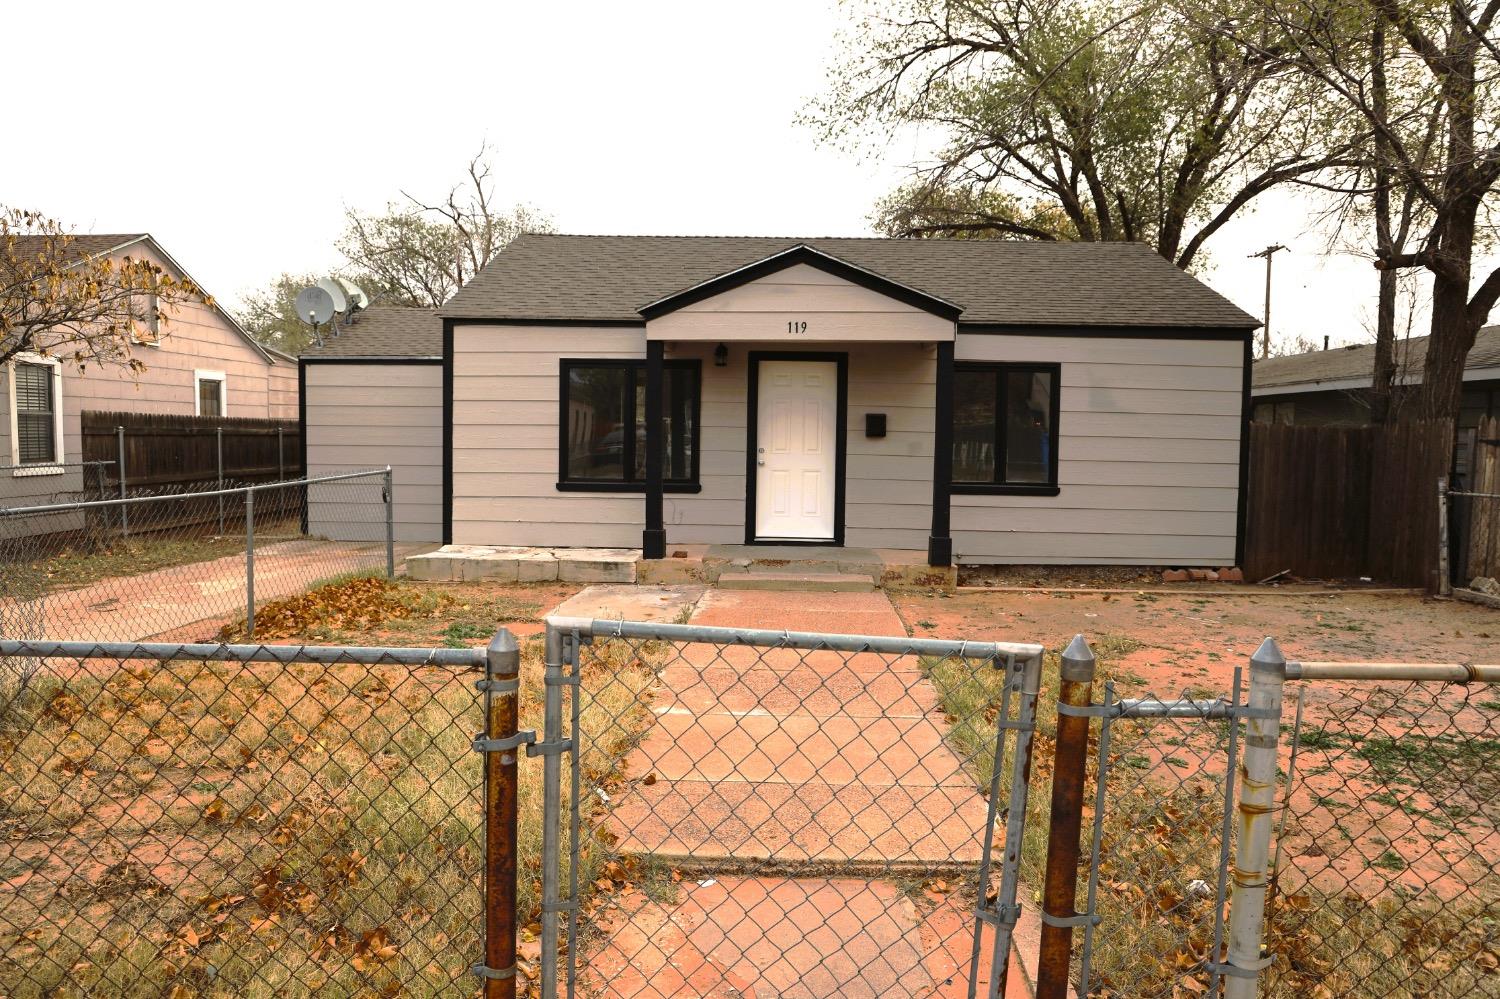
point(525, 565)
point(815, 582)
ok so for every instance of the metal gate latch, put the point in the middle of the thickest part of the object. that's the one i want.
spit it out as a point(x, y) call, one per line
point(483, 745)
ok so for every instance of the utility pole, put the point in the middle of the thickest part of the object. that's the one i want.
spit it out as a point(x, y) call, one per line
point(1265, 330)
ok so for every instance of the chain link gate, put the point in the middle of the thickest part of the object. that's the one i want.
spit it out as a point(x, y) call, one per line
point(1161, 831)
point(779, 812)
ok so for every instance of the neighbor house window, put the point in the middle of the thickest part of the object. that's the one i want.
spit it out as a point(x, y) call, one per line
point(36, 412)
point(1005, 428)
point(210, 400)
point(603, 421)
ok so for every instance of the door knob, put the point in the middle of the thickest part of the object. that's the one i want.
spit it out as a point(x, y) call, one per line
point(761, 461)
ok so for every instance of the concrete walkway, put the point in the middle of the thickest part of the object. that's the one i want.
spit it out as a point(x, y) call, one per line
point(136, 608)
point(807, 796)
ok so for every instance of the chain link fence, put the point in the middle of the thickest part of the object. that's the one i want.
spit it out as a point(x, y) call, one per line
point(147, 566)
point(1330, 830)
point(195, 821)
point(1158, 841)
point(772, 813)
point(1386, 883)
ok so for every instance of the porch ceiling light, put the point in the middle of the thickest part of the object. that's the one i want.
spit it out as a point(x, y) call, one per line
point(721, 356)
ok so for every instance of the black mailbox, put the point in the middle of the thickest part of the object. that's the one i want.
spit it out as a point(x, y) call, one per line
point(874, 424)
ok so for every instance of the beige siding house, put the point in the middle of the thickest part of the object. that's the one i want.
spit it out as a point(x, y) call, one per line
point(202, 361)
point(983, 401)
point(371, 397)
point(974, 401)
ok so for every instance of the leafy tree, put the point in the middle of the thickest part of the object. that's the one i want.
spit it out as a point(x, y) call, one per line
point(59, 299)
point(414, 253)
point(420, 253)
point(1436, 122)
point(1072, 119)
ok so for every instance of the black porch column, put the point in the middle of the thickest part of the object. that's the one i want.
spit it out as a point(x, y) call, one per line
point(654, 537)
point(940, 543)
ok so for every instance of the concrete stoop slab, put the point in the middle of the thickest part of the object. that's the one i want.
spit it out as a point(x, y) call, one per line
point(796, 580)
point(462, 563)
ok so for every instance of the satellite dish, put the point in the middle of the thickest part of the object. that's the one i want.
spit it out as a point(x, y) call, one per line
point(314, 305)
point(336, 293)
point(358, 300)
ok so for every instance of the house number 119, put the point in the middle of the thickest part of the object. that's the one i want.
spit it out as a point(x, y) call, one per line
point(794, 326)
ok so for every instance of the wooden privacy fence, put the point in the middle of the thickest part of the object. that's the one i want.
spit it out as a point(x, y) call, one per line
point(1340, 502)
point(167, 450)
point(1474, 513)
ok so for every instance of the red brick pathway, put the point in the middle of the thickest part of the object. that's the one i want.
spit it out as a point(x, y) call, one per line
point(766, 762)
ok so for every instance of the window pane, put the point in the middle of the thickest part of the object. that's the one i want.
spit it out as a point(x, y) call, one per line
point(596, 422)
point(34, 431)
point(210, 398)
point(974, 426)
point(679, 388)
point(1028, 441)
point(33, 388)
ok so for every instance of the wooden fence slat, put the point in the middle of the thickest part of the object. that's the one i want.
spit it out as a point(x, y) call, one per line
point(1339, 502)
point(171, 449)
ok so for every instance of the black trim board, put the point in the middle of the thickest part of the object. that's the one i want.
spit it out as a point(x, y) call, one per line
point(940, 537)
point(752, 431)
point(1247, 409)
point(514, 321)
point(448, 431)
point(371, 360)
point(802, 254)
point(1118, 332)
point(302, 434)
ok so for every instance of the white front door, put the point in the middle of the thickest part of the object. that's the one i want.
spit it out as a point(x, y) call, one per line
point(796, 450)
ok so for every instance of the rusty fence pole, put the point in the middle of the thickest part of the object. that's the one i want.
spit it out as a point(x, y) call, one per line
point(1252, 859)
point(1060, 887)
point(501, 745)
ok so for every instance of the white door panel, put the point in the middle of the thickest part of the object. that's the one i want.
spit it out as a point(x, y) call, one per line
point(797, 448)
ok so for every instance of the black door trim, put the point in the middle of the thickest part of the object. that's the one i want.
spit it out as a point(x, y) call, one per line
point(752, 427)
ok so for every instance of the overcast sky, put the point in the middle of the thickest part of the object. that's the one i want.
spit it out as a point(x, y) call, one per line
point(237, 134)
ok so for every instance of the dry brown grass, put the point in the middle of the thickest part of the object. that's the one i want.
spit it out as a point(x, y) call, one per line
point(223, 829)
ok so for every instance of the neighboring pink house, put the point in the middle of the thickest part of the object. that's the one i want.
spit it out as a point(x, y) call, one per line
point(201, 362)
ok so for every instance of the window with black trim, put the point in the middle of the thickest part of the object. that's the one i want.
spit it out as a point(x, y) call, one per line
point(603, 423)
point(1005, 428)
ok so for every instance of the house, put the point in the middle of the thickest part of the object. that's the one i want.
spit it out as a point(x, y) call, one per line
point(199, 361)
point(987, 401)
point(372, 396)
point(1332, 387)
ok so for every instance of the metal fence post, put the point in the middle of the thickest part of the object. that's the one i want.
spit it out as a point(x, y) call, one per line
point(1247, 899)
point(553, 678)
point(120, 471)
point(501, 685)
point(280, 460)
point(219, 437)
point(250, 563)
point(1060, 887)
point(1444, 580)
point(390, 524)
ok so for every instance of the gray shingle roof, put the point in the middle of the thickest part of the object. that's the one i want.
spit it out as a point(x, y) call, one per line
point(551, 276)
point(1357, 363)
point(88, 244)
point(385, 331)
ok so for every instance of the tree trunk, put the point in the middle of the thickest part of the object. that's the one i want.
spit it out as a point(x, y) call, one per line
point(1384, 375)
point(1452, 328)
point(1382, 386)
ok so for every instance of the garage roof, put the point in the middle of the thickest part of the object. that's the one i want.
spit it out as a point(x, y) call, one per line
point(553, 277)
point(384, 331)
